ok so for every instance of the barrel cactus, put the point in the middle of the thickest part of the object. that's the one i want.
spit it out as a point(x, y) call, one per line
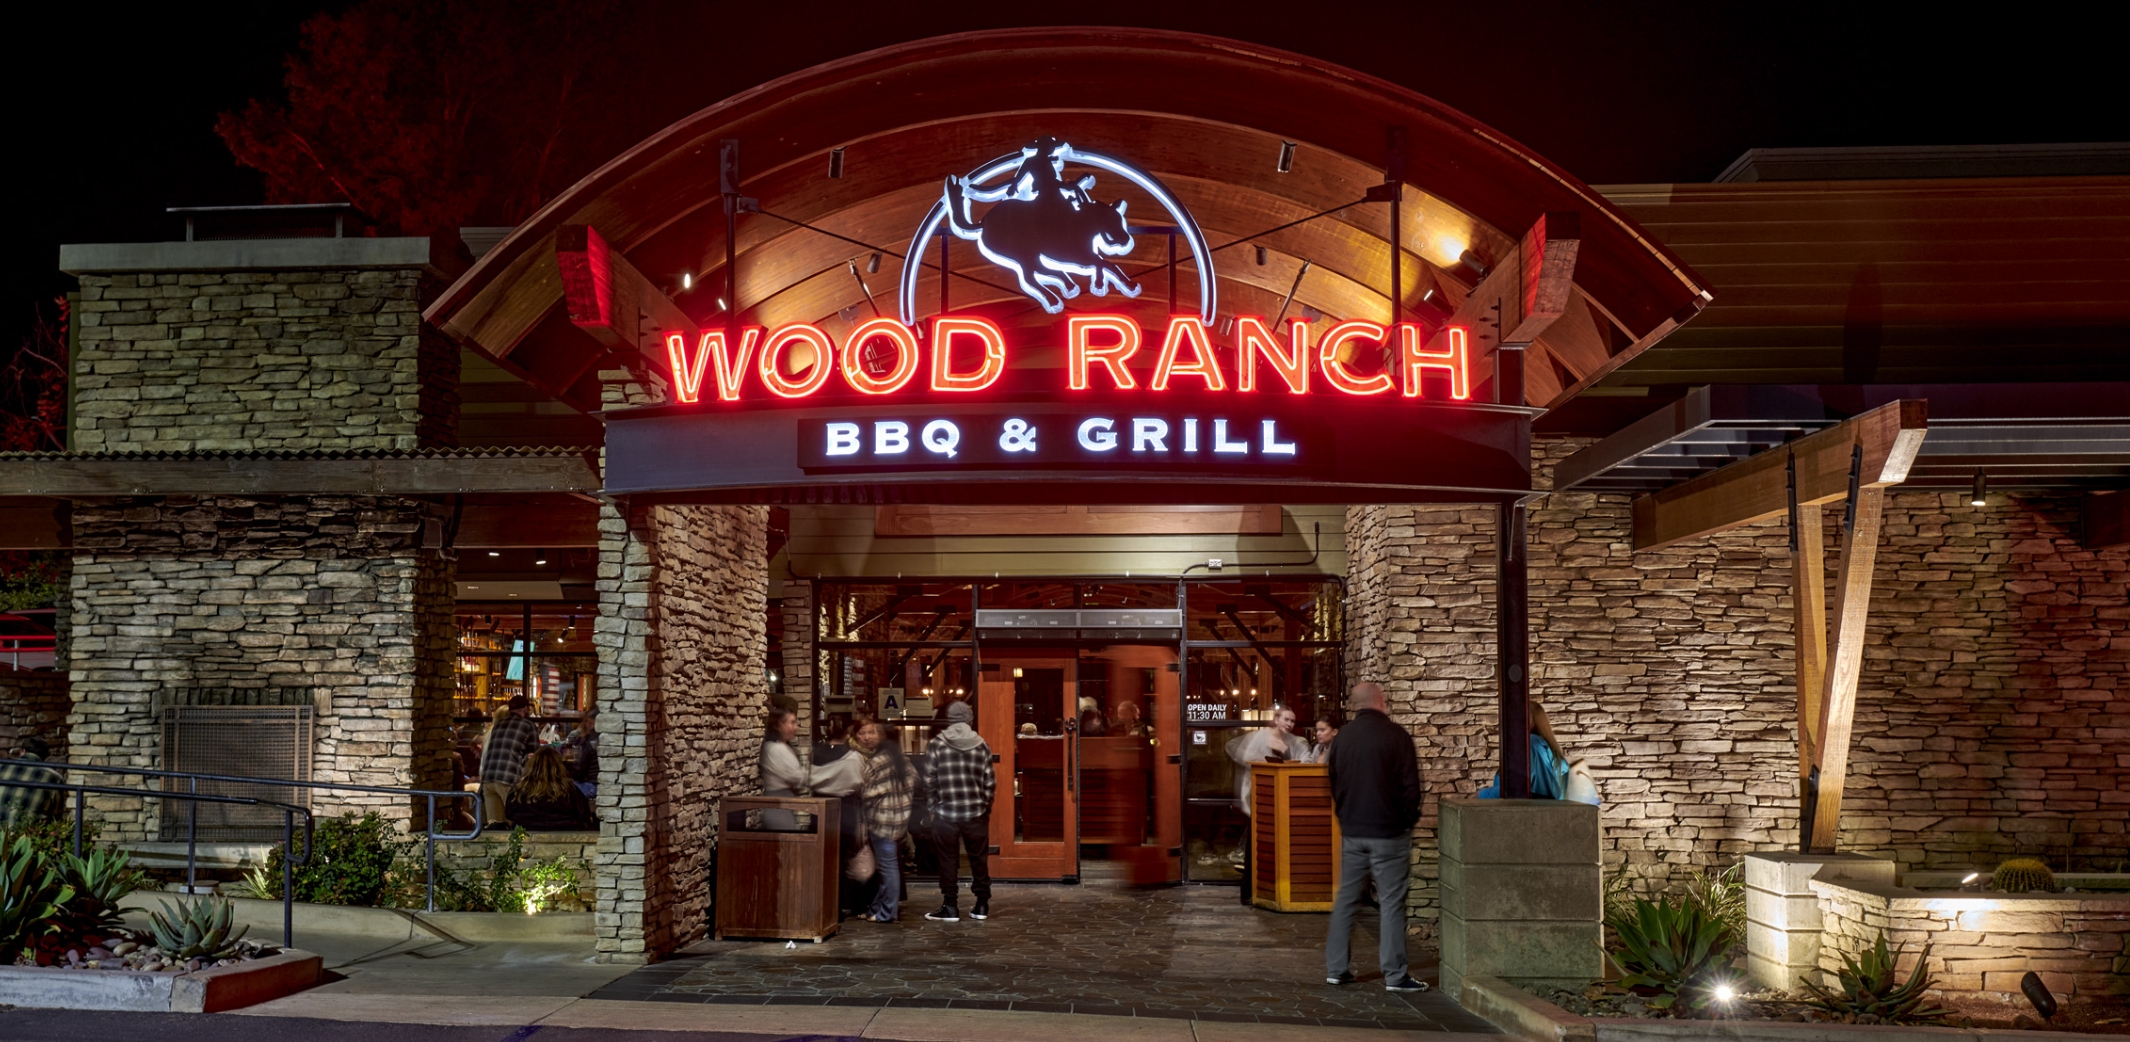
point(2022, 875)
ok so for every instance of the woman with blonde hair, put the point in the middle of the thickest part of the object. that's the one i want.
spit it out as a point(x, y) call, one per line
point(545, 800)
point(889, 781)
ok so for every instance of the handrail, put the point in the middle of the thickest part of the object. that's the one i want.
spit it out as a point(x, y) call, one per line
point(429, 838)
point(288, 831)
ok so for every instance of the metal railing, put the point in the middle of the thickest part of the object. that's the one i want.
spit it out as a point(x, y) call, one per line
point(431, 836)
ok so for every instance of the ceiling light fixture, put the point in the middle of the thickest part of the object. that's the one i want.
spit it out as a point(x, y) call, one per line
point(495, 553)
point(835, 162)
point(687, 280)
point(1980, 498)
point(1470, 262)
point(540, 557)
point(1262, 256)
point(872, 264)
point(1286, 156)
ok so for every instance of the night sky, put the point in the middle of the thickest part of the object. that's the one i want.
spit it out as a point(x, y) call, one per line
point(114, 106)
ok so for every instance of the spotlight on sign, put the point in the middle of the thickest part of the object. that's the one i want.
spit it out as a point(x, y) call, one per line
point(1286, 156)
point(1470, 261)
point(872, 264)
point(835, 162)
point(1262, 256)
point(1980, 496)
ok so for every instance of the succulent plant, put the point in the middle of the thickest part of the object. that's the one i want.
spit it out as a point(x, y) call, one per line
point(31, 896)
point(100, 881)
point(1868, 988)
point(1676, 948)
point(196, 929)
point(2022, 875)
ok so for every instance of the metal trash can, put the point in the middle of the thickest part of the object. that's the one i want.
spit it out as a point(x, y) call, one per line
point(779, 867)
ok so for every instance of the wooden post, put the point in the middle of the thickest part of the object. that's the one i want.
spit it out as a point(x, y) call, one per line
point(1808, 588)
point(1837, 711)
point(1513, 642)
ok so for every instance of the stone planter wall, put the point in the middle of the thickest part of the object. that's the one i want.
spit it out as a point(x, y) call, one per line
point(1996, 677)
point(581, 849)
point(1981, 944)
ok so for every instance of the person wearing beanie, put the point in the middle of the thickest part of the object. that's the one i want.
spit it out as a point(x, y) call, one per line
point(958, 774)
point(23, 800)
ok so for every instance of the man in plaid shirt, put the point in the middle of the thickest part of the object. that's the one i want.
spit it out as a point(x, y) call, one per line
point(960, 782)
point(22, 804)
point(510, 740)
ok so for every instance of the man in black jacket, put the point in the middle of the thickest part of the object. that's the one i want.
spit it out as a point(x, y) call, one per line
point(1375, 787)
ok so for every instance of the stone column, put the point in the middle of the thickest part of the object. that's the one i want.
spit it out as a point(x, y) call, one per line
point(1783, 925)
point(682, 637)
point(1522, 893)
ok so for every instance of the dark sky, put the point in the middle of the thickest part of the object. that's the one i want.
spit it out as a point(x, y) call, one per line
point(115, 107)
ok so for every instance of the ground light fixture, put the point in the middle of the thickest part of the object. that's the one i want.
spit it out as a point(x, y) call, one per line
point(1980, 498)
point(1725, 993)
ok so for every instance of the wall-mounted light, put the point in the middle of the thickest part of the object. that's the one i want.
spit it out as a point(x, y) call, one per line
point(1227, 324)
point(1263, 255)
point(1980, 496)
point(872, 264)
point(1470, 261)
point(1286, 156)
point(539, 557)
point(835, 162)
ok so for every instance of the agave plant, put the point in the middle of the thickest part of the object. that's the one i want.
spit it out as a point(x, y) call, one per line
point(196, 929)
point(1677, 949)
point(1868, 987)
point(31, 896)
point(99, 881)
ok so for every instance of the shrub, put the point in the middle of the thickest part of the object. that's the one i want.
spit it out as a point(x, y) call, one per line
point(1720, 894)
point(2022, 875)
point(1674, 948)
point(1868, 989)
point(350, 863)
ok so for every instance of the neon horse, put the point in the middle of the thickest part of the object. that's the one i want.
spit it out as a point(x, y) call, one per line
point(1048, 233)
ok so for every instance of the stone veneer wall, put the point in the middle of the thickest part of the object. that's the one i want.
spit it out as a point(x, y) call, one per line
point(683, 594)
point(1989, 716)
point(1980, 945)
point(261, 360)
point(326, 593)
point(797, 663)
point(33, 704)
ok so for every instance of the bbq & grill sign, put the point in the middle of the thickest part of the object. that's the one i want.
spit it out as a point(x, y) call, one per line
point(1095, 388)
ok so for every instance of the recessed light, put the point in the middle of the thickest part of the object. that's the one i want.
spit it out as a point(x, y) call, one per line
point(495, 553)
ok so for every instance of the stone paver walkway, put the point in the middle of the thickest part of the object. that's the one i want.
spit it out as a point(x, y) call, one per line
point(1183, 952)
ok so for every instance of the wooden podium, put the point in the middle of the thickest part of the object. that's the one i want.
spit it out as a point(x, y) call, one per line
point(1294, 838)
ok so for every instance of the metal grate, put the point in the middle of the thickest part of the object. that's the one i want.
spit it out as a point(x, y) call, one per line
point(249, 741)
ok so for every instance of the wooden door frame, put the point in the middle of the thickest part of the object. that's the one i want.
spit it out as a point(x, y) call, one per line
point(1013, 859)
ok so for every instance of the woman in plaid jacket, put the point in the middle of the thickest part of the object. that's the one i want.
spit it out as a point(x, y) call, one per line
point(889, 780)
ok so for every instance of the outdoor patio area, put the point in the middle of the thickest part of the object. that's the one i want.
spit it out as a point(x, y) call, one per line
point(1182, 952)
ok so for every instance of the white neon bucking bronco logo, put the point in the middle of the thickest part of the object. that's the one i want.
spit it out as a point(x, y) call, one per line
point(1052, 234)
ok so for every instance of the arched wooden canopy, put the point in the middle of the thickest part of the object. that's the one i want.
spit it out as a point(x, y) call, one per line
point(1206, 116)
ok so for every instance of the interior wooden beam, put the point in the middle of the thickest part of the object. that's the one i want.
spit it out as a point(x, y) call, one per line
point(1845, 666)
point(2107, 520)
point(1808, 588)
point(1757, 488)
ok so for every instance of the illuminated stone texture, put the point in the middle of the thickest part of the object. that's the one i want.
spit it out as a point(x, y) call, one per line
point(1981, 944)
point(171, 361)
point(683, 646)
point(1996, 677)
point(328, 596)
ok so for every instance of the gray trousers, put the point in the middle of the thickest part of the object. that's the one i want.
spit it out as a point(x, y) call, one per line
point(1390, 862)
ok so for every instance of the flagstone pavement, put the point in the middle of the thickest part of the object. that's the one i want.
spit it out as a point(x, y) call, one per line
point(1100, 947)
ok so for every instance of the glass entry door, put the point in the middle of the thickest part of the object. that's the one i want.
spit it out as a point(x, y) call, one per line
point(1025, 712)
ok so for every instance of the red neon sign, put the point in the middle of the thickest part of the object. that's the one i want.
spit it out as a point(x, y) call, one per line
point(816, 368)
point(796, 361)
point(1081, 351)
point(944, 330)
point(897, 334)
point(1336, 372)
point(1188, 329)
point(1254, 341)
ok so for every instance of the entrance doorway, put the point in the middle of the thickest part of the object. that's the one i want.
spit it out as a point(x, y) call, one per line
point(1109, 705)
